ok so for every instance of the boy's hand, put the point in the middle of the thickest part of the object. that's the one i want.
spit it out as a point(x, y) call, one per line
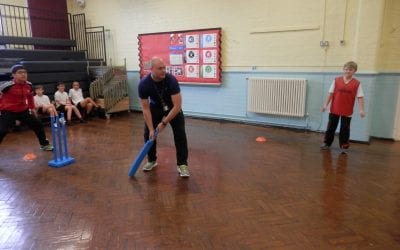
point(323, 108)
point(362, 113)
point(33, 112)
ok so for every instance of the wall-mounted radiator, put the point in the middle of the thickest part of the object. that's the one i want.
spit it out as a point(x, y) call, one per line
point(286, 97)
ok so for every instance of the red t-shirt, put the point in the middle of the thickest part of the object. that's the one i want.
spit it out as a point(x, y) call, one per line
point(344, 96)
point(16, 97)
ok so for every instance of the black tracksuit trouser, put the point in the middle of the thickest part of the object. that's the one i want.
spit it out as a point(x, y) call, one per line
point(7, 120)
point(178, 129)
point(344, 134)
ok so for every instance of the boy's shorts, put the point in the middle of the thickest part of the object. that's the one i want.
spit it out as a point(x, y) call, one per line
point(61, 108)
point(40, 111)
point(79, 106)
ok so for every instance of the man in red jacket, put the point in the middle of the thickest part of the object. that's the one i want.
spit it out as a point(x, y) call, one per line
point(16, 103)
point(342, 95)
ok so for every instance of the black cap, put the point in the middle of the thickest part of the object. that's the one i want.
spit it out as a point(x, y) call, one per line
point(17, 67)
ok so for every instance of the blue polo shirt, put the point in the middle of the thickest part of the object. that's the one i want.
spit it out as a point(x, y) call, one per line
point(166, 88)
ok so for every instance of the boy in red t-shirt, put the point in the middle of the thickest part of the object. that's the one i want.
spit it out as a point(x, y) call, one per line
point(342, 95)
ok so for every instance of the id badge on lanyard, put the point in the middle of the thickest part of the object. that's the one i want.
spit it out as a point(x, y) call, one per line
point(161, 95)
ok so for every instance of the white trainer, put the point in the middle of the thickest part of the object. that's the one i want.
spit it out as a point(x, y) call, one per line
point(149, 165)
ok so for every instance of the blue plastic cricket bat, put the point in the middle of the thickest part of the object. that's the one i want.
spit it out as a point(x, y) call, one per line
point(139, 158)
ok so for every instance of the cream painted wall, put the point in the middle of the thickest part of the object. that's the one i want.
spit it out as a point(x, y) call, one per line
point(367, 34)
point(255, 33)
point(15, 2)
point(389, 59)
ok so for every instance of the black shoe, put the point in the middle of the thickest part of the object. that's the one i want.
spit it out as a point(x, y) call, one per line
point(17, 128)
point(82, 121)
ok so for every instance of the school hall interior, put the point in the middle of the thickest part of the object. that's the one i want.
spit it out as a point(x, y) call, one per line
point(242, 193)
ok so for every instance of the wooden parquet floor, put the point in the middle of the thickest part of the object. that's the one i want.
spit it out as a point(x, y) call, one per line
point(281, 194)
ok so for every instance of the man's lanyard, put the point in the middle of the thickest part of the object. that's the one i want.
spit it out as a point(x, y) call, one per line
point(160, 93)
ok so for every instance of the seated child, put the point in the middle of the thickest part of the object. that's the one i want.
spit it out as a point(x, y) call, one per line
point(42, 102)
point(77, 99)
point(63, 103)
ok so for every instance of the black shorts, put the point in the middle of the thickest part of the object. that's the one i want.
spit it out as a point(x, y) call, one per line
point(79, 106)
point(40, 111)
point(61, 108)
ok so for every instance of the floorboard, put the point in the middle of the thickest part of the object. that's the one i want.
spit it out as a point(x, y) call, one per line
point(281, 194)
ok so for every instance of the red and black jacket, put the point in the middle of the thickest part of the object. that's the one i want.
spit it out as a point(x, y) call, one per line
point(16, 97)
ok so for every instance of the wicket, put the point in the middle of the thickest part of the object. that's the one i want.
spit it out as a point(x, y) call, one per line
point(59, 137)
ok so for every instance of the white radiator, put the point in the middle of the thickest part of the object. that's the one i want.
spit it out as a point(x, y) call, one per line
point(286, 97)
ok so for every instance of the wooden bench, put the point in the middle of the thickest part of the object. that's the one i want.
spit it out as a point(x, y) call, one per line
point(37, 41)
point(55, 66)
point(43, 55)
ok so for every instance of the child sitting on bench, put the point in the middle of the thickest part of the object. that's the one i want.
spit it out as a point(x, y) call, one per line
point(63, 104)
point(79, 101)
point(42, 102)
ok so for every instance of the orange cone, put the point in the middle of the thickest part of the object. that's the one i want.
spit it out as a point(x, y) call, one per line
point(261, 139)
point(29, 157)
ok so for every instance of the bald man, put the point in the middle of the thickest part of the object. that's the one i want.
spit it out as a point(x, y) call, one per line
point(161, 102)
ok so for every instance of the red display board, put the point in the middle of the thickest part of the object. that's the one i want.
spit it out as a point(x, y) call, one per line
point(192, 56)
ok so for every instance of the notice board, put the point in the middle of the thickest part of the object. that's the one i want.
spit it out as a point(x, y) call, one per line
point(192, 56)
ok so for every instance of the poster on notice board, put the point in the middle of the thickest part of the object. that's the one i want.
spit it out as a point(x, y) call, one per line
point(192, 56)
